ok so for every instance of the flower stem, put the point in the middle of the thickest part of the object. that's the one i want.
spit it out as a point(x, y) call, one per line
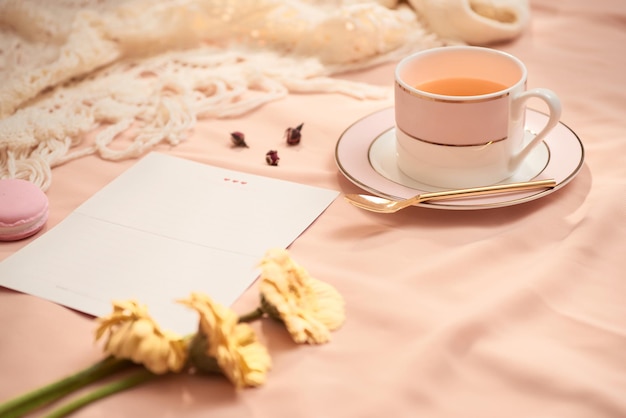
point(252, 316)
point(32, 400)
point(135, 379)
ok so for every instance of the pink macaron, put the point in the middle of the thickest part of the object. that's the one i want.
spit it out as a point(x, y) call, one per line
point(23, 209)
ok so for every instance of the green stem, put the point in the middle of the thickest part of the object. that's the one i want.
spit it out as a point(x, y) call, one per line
point(252, 316)
point(44, 395)
point(109, 389)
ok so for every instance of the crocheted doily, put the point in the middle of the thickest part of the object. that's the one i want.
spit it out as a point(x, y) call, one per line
point(70, 67)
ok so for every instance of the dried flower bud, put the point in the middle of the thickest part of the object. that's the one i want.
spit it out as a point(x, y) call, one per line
point(272, 157)
point(293, 135)
point(239, 139)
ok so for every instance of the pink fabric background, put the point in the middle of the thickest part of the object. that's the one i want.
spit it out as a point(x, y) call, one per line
point(516, 312)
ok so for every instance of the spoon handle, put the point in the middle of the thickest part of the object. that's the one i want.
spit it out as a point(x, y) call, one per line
point(477, 191)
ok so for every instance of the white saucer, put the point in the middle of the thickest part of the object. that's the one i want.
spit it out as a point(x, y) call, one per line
point(366, 155)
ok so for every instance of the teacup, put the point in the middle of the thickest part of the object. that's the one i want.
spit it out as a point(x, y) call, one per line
point(460, 116)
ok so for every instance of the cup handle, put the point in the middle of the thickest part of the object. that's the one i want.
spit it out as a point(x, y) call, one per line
point(519, 107)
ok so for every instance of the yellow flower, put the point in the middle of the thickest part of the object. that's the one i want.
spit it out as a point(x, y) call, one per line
point(132, 334)
point(239, 355)
point(308, 307)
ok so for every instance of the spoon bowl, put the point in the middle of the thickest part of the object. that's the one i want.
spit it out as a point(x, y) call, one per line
point(382, 205)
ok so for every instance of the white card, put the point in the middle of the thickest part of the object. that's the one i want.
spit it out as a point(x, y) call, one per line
point(163, 229)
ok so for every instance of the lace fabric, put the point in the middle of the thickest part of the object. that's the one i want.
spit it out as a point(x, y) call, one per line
point(74, 66)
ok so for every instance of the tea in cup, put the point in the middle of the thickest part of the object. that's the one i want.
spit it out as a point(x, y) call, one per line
point(460, 116)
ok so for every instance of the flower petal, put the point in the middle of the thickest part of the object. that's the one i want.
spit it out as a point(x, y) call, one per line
point(308, 307)
point(132, 334)
point(242, 359)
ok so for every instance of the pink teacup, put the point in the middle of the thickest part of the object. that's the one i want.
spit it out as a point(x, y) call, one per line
point(460, 113)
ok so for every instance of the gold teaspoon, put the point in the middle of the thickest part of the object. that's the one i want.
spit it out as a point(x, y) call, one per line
point(382, 205)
